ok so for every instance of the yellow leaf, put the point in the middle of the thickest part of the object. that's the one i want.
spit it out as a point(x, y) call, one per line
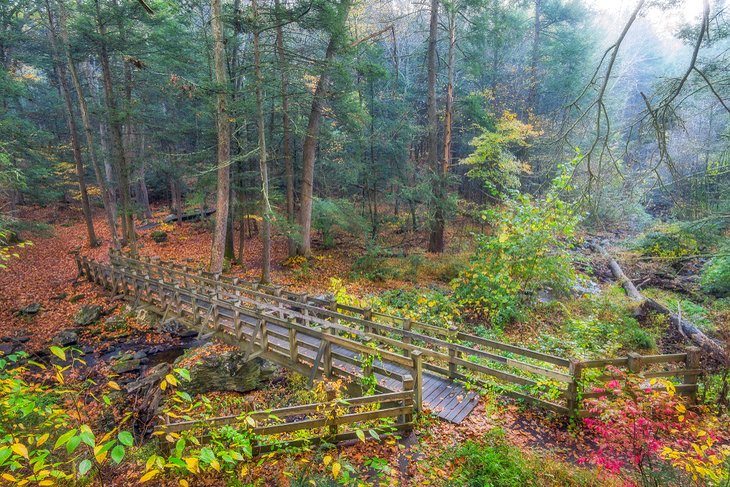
point(42, 439)
point(45, 482)
point(183, 483)
point(192, 464)
point(148, 476)
point(171, 379)
point(680, 408)
point(216, 465)
point(701, 433)
point(9, 477)
point(114, 385)
point(163, 385)
point(327, 460)
point(100, 457)
point(336, 469)
point(20, 449)
point(244, 470)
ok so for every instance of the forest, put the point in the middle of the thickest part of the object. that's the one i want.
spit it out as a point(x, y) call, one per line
point(376, 242)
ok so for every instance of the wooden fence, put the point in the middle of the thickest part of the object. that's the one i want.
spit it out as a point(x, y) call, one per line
point(331, 421)
point(402, 346)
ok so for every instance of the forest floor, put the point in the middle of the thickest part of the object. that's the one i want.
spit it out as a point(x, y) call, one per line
point(45, 273)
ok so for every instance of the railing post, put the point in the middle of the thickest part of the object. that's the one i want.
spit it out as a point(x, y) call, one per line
point(293, 346)
point(406, 339)
point(636, 363)
point(453, 354)
point(692, 362)
point(407, 387)
point(573, 401)
point(264, 333)
point(331, 396)
point(418, 379)
point(367, 315)
point(327, 354)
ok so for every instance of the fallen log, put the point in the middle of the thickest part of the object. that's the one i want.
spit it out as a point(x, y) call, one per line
point(685, 327)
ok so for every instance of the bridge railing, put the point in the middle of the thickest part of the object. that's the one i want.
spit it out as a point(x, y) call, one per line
point(555, 383)
point(333, 421)
point(523, 373)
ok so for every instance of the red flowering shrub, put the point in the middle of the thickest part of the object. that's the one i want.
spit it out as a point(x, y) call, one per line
point(646, 434)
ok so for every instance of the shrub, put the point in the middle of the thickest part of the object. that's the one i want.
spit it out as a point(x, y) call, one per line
point(373, 265)
point(159, 236)
point(328, 214)
point(44, 439)
point(527, 252)
point(668, 241)
point(496, 463)
point(644, 431)
point(715, 277)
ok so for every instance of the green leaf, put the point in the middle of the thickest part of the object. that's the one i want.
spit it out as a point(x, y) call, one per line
point(84, 467)
point(360, 435)
point(126, 438)
point(374, 434)
point(63, 439)
point(59, 352)
point(73, 443)
point(118, 454)
point(5, 454)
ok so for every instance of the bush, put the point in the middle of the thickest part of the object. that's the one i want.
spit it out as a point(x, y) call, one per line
point(645, 432)
point(528, 252)
point(668, 241)
point(373, 265)
point(715, 277)
point(497, 463)
point(329, 214)
point(159, 236)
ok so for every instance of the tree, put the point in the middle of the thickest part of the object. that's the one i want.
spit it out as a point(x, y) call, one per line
point(71, 123)
point(336, 42)
point(266, 212)
point(224, 139)
point(436, 237)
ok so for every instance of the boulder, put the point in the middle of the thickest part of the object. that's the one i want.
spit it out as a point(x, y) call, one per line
point(115, 323)
point(88, 314)
point(227, 372)
point(65, 338)
point(127, 362)
point(31, 309)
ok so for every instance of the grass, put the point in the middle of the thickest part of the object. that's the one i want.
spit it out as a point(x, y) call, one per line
point(494, 462)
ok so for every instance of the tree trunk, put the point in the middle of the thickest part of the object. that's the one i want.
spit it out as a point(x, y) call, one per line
point(115, 131)
point(224, 139)
point(144, 198)
point(286, 132)
point(533, 79)
point(436, 237)
point(176, 197)
point(71, 123)
point(106, 196)
point(266, 212)
point(309, 149)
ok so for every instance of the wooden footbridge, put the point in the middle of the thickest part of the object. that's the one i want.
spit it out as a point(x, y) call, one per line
point(318, 337)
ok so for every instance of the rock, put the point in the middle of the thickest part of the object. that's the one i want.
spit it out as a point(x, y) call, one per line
point(227, 372)
point(76, 298)
point(115, 323)
point(59, 297)
point(6, 348)
point(87, 315)
point(65, 338)
point(146, 317)
point(586, 286)
point(31, 309)
point(175, 328)
point(126, 363)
